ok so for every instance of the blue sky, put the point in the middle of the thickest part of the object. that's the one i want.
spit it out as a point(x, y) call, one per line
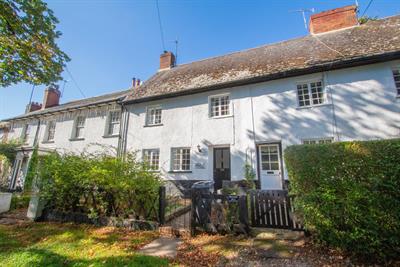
point(109, 42)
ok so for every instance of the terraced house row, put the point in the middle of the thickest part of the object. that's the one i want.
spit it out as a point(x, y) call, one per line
point(204, 120)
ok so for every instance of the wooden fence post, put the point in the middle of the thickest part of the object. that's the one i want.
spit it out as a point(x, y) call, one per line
point(161, 205)
point(243, 213)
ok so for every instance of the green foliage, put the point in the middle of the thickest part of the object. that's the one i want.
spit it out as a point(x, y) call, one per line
point(8, 150)
point(99, 185)
point(365, 19)
point(249, 176)
point(20, 201)
point(32, 172)
point(349, 195)
point(28, 48)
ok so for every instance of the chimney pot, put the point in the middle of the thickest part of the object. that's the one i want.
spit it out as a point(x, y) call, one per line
point(137, 82)
point(51, 97)
point(33, 106)
point(133, 82)
point(334, 19)
point(167, 60)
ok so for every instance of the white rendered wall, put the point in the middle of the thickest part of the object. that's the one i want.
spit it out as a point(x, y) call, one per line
point(361, 105)
point(94, 139)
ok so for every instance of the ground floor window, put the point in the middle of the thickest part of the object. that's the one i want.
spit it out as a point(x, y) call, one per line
point(152, 158)
point(180, 159)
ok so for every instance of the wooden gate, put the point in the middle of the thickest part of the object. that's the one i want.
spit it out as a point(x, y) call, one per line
point(272, 209)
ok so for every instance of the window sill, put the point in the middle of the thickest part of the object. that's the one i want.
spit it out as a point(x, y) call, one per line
point(111, 136)
point(314, 106)
point(48, 142)
point(77, 139)
point(220, 117)
point(180, 172)
point(153, 125)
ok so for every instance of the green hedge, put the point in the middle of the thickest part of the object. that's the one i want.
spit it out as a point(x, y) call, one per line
point(348, 194)
point(20, 201)
point(98, 185)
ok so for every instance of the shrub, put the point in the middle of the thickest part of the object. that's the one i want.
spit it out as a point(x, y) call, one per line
point(348, 194)
point(98, 185)
point(20, 201)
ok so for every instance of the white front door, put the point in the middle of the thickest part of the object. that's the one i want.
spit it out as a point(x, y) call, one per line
point(270, 166)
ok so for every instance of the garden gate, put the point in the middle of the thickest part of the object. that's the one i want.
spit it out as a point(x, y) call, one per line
point(272, 209)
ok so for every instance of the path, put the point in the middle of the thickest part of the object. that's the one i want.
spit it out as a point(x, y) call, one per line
point(162, 247)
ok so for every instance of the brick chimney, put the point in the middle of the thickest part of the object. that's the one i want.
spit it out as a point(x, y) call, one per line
point(167, 60)
point(334, 19)
point(51, 97)
point(33, 106)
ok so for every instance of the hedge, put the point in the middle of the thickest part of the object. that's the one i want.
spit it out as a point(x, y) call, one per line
point(97, 185)
point(348, 195)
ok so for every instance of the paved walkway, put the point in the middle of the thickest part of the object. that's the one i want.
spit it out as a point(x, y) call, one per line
point(162, 247)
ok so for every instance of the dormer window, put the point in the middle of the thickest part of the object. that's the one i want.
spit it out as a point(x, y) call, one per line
point(396, 77)
point(311, 94)
point(153, 116)
point(219, 106)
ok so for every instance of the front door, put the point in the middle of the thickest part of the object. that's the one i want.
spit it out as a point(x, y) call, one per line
point(269, 159)
point(222, 166)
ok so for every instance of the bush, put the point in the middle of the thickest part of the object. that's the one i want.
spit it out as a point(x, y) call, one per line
point(19, 201)
point(98, 185)
point(348, 194)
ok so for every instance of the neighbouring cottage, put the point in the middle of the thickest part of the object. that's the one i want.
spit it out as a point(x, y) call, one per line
point(206, 119)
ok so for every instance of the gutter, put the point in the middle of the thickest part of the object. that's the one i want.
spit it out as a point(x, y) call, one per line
point(332, 65)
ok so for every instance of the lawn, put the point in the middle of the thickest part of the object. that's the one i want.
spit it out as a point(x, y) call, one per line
point(55, 244)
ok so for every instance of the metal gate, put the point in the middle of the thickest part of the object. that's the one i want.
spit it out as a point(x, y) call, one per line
point(272, 209)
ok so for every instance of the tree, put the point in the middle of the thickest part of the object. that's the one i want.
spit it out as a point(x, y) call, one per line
point(28, 49)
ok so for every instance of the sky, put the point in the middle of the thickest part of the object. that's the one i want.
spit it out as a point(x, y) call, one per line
point(112, 41)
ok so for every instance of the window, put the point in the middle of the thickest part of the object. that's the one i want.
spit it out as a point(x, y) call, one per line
point(153, 116)
point(219, 106)
point(79, 127)
point(396, 77)
point(113, 123)
point(318, 141)
point(25, 133)
point(152, 158)
point(310, 94)
point(51, 130)
point(181, 159)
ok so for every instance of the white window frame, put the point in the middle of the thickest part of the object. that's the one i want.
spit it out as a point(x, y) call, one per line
point(311, 99)
point(26, 129)
point(210, 107)
point(150, 120)
point(47, 136)
point(180, 169)
point(76, 126)
point(110, 123)
point(154, 156)
point(396, 84)
point(315, 141)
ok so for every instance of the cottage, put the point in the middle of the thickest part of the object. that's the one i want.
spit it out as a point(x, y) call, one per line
point(85, 125)
point(205, 120)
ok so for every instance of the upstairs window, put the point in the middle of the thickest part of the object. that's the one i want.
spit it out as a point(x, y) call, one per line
point(181, 159)
point(396, 77)
point(79, 127)
point(114, 118)
point(51, 130)
point(310, 94)
point(219, 106)
point(153, 116)
point(25, 133)
point(327, 140)
point(152, 158)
